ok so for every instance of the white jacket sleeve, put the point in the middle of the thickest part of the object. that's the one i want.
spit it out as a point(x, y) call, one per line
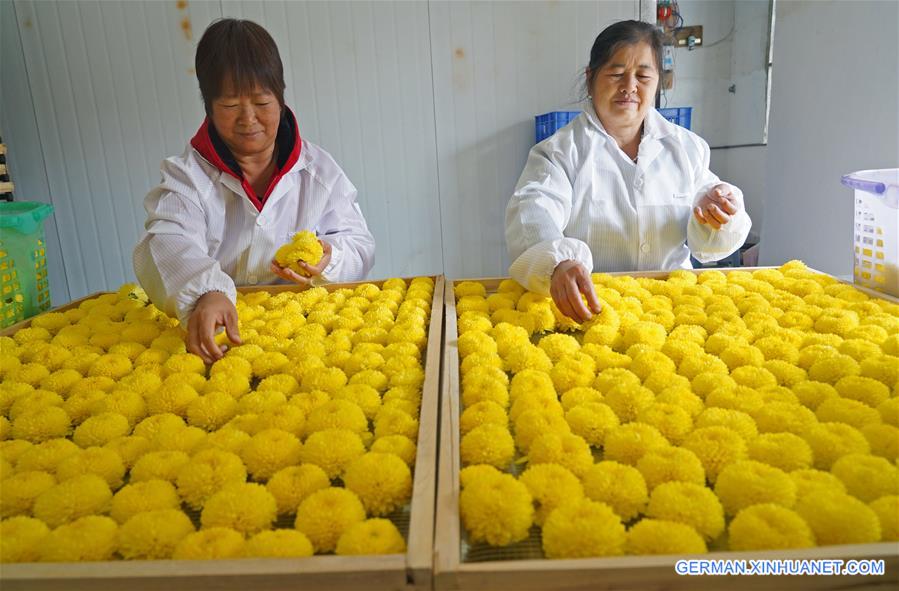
point(536, 217)
point(172, 262)
point(344, 228)
point(706, 243)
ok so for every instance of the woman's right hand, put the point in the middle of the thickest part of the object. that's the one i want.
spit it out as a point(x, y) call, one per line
point(716, 207)
point(569, 280)
point(213, 310)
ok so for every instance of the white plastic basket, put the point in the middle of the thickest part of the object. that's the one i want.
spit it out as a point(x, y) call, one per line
point(876, 229)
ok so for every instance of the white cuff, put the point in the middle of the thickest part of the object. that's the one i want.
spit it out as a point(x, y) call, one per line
point(708, 244)
point(186, 301)
point(534, 268)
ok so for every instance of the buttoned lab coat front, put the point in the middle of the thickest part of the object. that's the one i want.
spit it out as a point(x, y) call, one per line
point(581, 197)
point(204, 234)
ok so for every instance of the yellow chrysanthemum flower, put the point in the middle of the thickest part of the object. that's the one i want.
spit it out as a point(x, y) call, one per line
point(496, 510)
point(383, 482)
point(887, 510)
point(291, 485)
point(673, 422)
point(746, 483)
point(688, 503)
point(628, 400)
point(867, 477)
point(101, 429)
point(837, 518)
point(565, 449)
point(18, 492)
point(630, 442)
point(45, 456)
point(372, 536)
point(206, 473)
point(76, 497)
point(735, 420)
point(41, 424)
point(487, 444)
point(786, 451)
point(811, 394)
point(21, 539)
point(332, 450)
point(153, 535)
point(617, 485)
point(89, 538)
point(210, 544)
point(716, 447)
point(550, 485)
point(245, 507)
point(326, 514)
point(336, 414)
point(883, 439)
point(656, 536)
point(101, 461)
point(769, 526)
point(163, 465)
point(845, 410)
point(583, 528)
point(670, 464)
point(269, 451)
point(534, 423)
point(278, 543)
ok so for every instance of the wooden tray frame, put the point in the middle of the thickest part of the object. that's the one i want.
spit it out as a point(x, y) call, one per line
point(410, 571)
point(594, 574)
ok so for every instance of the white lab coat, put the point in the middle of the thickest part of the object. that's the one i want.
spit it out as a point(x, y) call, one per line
point(581, 197)
point(203, 233)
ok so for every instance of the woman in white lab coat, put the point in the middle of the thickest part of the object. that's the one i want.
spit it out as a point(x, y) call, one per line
point(246, 183)
point(619, 188)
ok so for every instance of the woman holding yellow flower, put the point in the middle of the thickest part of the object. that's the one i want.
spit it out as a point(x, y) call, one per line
point(245, 185)
point(619, 188)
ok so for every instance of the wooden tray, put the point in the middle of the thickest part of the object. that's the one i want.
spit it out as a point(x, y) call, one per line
point(594, 574)
point(409, 571)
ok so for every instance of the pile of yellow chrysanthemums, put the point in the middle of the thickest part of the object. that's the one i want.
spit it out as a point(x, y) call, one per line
point(112, 436)
point(747, 411)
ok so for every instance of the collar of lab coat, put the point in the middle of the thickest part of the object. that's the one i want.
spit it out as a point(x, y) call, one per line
point(655, 127)
point(212, 149)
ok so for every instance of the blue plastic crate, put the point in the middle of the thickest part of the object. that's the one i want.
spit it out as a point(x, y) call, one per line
point(547, 124)
point(678, 115)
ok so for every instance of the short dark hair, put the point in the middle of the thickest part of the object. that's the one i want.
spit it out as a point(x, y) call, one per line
point(617, 35)
point(242, 51)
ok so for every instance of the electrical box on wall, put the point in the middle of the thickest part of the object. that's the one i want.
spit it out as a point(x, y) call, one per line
point(667, 58)
point(688, 37)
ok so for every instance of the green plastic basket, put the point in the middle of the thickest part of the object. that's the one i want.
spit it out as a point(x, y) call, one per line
point(24, 285)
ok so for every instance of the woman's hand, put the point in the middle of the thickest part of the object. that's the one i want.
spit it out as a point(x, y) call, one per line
point(569, 280)
point(313, 271)
point(213, 310)
point(717, 206)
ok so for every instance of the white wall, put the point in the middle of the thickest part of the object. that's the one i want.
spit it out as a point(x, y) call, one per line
point(834, 110)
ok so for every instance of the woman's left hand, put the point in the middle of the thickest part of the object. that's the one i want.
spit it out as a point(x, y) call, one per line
point(313, 271)
point(716, 207)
